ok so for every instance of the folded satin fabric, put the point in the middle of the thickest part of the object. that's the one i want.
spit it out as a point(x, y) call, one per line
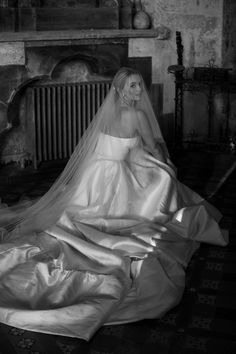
point(117, 253)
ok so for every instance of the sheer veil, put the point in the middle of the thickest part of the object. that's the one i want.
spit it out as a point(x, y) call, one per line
point(46, 211)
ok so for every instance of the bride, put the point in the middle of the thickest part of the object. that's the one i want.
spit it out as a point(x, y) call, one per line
point(110, 241)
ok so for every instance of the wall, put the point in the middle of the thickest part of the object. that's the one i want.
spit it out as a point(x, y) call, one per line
point(54, 64)
point(229, 38)
point(200, 23)
point(229, 55)
point(22, 63)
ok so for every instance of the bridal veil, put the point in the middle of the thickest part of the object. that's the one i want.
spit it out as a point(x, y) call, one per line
point(44, 212)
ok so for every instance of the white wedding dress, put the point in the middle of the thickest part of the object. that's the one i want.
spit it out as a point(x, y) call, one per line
point(117, 254)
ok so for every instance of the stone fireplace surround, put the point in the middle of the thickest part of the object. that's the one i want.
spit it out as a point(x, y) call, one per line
point(61, 57)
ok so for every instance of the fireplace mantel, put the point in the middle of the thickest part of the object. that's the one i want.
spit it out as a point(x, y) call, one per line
point(69, 37)
point(27, 57)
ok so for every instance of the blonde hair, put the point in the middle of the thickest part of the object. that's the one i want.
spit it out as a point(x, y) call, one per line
point(121, 77)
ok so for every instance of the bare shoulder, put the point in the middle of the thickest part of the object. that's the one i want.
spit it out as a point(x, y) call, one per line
point(141, 115)
point(128, 112)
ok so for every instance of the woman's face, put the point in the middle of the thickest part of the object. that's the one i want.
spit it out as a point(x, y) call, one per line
point(133, 88)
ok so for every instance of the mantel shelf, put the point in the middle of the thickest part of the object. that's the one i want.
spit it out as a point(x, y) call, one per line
point(40, 38)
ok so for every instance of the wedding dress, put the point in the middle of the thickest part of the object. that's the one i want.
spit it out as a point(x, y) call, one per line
point(110, 241)
point(118, 252)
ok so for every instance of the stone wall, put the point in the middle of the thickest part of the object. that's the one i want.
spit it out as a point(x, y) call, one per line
point(200, 23)
point(205, 35)
point(229, 54)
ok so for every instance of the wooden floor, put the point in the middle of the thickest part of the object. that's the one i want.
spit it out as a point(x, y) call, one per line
point(204, 321)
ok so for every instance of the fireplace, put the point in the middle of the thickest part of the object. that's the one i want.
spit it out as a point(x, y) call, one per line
point(57, 70)
point(61, 43)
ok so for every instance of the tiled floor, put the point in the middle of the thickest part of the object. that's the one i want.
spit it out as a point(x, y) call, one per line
point(204, 321)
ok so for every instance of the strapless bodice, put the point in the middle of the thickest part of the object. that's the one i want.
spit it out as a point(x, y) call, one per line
point(115, 148)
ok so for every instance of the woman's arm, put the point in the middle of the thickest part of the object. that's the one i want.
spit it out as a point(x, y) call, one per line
point(148, 138)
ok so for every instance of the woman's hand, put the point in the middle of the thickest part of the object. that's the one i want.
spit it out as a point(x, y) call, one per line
point(158, 154)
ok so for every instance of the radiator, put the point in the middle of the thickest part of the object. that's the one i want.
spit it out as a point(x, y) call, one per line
point(60, 115)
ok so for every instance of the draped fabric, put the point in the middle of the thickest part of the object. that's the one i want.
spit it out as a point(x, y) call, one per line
point(110, 241)
point(117, 253)
point(47, 209)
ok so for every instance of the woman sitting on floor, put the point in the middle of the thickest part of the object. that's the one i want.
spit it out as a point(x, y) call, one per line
point(110, 241)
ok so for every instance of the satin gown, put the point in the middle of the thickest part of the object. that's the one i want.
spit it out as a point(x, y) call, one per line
point(117, 254)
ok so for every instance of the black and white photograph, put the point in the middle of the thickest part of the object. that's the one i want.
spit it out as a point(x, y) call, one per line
point(117, 177)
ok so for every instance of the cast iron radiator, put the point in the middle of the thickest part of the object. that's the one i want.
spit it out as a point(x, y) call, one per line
point(60, 113)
